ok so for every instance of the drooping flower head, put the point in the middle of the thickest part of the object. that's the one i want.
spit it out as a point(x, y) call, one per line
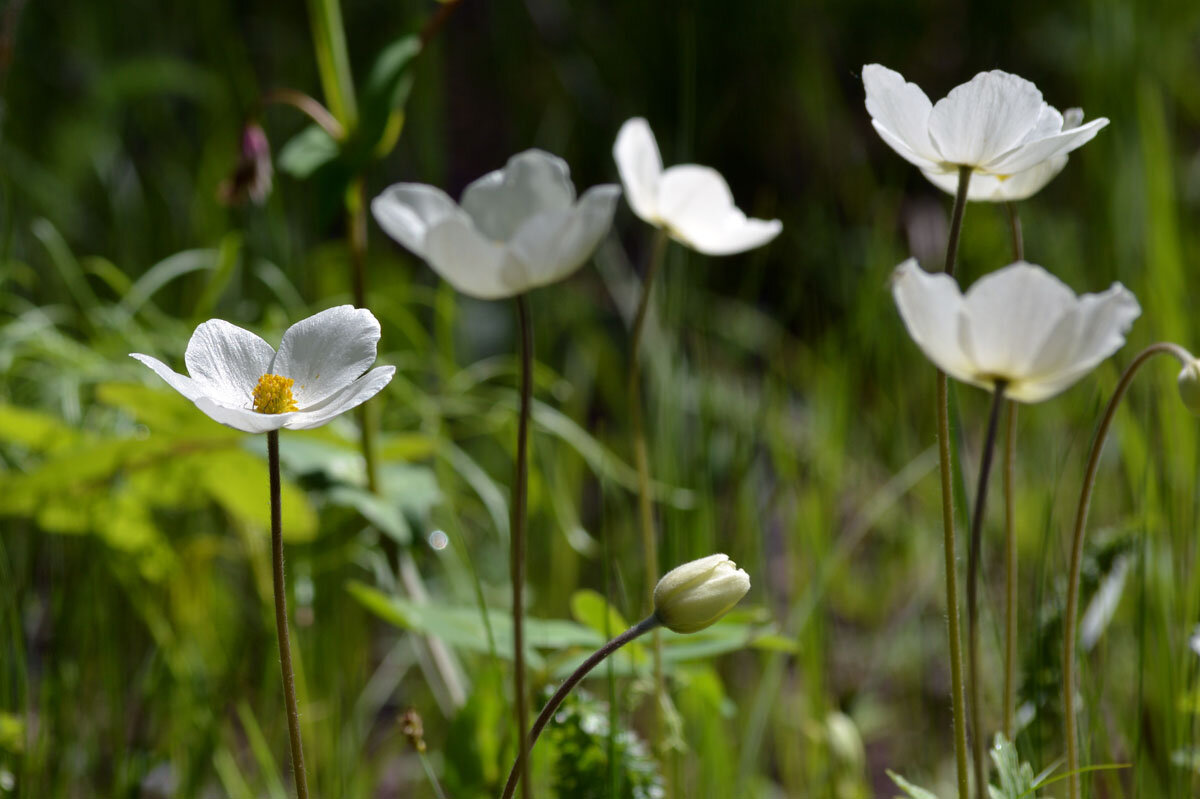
point(517, 228)
point(1020, 325)
point(996, 123)
point(251, 179)
point(692, 203)
point(239, 380)
point(692, 596)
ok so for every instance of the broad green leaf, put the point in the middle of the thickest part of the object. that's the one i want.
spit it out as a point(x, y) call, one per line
point(377, 510)
point(307, 151)
point(240, 483)
point(384, 95)
point(35, 430)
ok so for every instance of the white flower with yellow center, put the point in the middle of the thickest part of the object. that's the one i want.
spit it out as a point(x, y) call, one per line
point(1019, 326)
point(692, 203)
point(997, 124)
point(239, 380)
point(517, 228)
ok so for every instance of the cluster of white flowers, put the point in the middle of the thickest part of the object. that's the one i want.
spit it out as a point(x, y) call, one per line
point(1019, 327)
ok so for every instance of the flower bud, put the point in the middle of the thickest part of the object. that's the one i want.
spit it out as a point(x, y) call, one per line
point(692, 596)
point(251, 180)
point(1189, 386)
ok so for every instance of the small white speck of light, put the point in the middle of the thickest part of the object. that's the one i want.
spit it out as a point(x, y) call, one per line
point(438, 540)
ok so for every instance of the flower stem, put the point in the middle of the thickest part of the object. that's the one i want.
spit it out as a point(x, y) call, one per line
point(1085, 498)
point(310, 107)
point(517, 541)
point(957, 695)
point(1010, 533)
point(1010, 574)
point(281, 624)
point(976, 543)
point(648, 623)
point(1014, 229)
point(642, 461)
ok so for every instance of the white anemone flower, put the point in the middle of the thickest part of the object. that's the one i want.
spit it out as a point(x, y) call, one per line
point(517, 228)
point(692, 203)
point(239, 380)
point(1019, 325)
point(997, 124)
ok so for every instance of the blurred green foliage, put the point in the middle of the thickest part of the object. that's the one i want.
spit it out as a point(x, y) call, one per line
point(791, 421)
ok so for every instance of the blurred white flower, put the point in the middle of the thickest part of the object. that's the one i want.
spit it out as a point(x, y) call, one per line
point(996, 123)
point(1019, 324)
point(692, 203)
point(237, 379)
point(692, 596)
point(517, 228)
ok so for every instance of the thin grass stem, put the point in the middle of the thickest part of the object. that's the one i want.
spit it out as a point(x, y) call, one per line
point(517, 541)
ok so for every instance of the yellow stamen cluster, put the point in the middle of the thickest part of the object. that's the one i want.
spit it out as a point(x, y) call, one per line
point(273, 394)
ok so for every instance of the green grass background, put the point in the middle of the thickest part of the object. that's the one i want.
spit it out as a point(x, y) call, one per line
point(791, 419)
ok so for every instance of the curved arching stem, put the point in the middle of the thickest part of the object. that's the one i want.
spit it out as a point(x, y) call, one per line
point(648, 623)
point(1085, 499)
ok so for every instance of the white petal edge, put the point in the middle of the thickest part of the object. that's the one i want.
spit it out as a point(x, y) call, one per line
point(406, 212)
point(552, 246)
point(349, 398)
point(244, 419)
point(226, 361)
point(639, 164)
point(469, 262)
point(1035, 152)
point(326, 352)
point(930, 305)
point(697, 207)
point(181, 383)
point(900, 113)
point(532, 182)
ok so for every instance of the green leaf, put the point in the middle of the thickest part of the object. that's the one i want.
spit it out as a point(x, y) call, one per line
point(386, 91)
point(34, 430)
point(912, 790)
point(385, 515)
point(307, 151)
point(240, 483)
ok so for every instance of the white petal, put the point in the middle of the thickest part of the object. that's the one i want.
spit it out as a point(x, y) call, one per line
point(900, 112)
point(1008, 315)
point(640, 166)
point(696, 205)
point(472, 264)
point(1034, 152)
point(531, 183)
point(985, 117)
point(916, 160)
point(326, 352)
point(227, 361)
point(406, 212)
point(348, 398)
point(244, 419)
point(991, 188)
point(930, 305)
point(181, 383)
point(553, 245)
point(1103, 320)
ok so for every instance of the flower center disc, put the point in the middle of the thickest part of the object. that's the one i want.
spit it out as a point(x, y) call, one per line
point(273, 394)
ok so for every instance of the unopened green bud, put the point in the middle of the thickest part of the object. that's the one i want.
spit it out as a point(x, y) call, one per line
point(692, 596)
point(1189, 386)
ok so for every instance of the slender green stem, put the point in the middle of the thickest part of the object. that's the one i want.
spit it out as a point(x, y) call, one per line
point(1010, 574)
point(1081, 512)
point(310, 107)
point(281, 624)
point(1010, 533)
point(642, 461)
point(431, 775)
point(356, 243)
point(649, 623)
point(333, 60)
point(517, 540)
point(976, 544)
point(953, 631)
point(1014, 229)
